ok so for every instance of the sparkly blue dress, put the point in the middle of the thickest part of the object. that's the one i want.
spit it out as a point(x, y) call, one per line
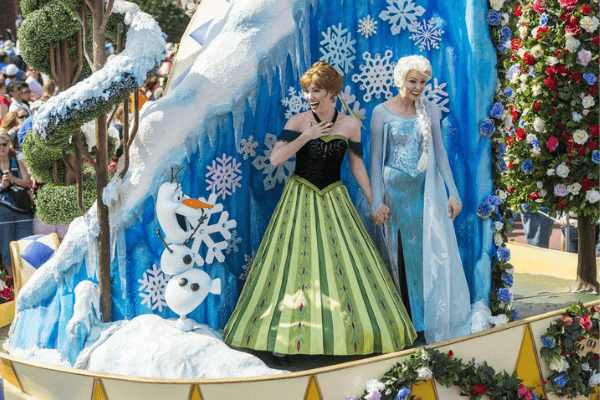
point(437, 286)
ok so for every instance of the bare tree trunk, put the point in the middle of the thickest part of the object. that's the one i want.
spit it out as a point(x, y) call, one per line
point(586, 256)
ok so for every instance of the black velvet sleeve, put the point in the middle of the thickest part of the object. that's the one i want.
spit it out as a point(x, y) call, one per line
point(356, 148)
point(288, 135)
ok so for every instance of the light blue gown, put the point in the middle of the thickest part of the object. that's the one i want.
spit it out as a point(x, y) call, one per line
point(437, 286)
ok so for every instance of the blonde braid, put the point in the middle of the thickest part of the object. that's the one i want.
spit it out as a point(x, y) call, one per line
point(425, 124)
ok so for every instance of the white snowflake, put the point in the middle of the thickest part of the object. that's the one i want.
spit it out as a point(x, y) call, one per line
point(427, 34)
point(295, 104)
point(222, 176)
point(367, 26)
point(209, 232)
point(232, 243)
point(275, 173)
point(338, 48)
point(376, 76)
point(152, 288)
point(437, 94)
point(351, 101)
point(247, 147)
point(400, 14)
point(249, 260)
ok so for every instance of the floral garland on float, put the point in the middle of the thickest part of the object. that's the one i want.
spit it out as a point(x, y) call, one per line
point(575, 366)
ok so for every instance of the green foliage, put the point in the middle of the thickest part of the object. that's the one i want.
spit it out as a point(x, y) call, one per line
point(170, 17)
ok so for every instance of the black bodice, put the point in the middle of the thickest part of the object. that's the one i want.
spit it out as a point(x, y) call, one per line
point(320, 161)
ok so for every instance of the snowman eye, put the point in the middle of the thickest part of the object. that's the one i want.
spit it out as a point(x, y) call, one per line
point(187, 259)
point(183, 282)
point(194, 287)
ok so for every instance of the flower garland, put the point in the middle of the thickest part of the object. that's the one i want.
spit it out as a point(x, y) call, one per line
point(473, 379)
point(573, 373)
point(6, 287)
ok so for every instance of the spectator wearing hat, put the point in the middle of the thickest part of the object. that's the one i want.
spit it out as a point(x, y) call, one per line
point(34, 82)
point(14, 91)
point(10, 72)
point(9, 48)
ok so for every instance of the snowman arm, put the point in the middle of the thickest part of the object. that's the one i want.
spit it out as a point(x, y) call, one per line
point(215, 287)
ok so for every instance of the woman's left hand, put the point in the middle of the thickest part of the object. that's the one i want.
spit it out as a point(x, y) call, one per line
point(454, 208)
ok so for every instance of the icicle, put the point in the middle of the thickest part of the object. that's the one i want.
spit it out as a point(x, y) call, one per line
point(122, 261)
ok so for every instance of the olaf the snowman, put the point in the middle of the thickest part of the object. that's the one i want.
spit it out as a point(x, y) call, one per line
point(188, 287)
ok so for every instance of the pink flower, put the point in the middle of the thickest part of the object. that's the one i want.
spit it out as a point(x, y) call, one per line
point(524, 392)
point(568, 4)
point(560, 190)
point(567, 320)
point(551, 143)
point(584, 57)
point(585, 322)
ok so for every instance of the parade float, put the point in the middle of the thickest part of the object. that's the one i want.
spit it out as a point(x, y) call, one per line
point(187, 214)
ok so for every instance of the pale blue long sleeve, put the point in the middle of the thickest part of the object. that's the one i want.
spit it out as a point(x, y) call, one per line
point(376, 134)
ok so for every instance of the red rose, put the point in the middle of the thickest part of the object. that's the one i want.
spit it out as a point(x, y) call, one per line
point(596, 41)
point(585, 9)
point(551, 71)
point(521, 135)
point(450, 354)
point(514, 113)
point(517, 10)
point(562, 204)
point(509, 166)
point(542, 29)
point(593, 90)
point(516, 44)
point(511, 189)
point(560, 125)
point(553, 111)
point(480, 389)
point(535, 196)
point(539, 6)
point(568, 138)
point(509, 141)
point(552, 142)
point(568, 4)
point(536, 107)
point(573, 29)
point(593, 309)
point(581, 151)
point(556, 96)
point(594, 129)
point(576, 77)
point(558, 53)
point(551, 83)
point(591, 145)
point(587, 184)
point(562, 70)
point(528, 59)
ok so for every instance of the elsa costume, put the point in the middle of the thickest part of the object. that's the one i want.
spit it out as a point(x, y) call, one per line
point(437, 286)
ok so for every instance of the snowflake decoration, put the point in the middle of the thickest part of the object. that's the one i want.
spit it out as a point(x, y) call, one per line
point(247, 147)
point(351, 101)
point(338, 48)
point(152, 288)
point(295, 104)
point(209, 232)
point(232, 243)
point(249, 261)
point(367, 26)
point(427, 34)
point(377, 76)
point(437, 94)
point(275, 173)
point(401, 14)
point(222, 176)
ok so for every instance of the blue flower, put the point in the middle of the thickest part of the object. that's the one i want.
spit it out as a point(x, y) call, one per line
point(511, 223)
point(511, 71)
point(531, 73)
point(561, 380)
point(525, 207)
point(501, 149)
point(508, 92)
point(493, 18)
point(549, 343)
point(503, 254)
point(493, 200)
point(535, 396)
point(596, 157)
point(507, 278)
point(515, 314)
point(498, 217)
point(501, 48)
point(521, 123)
point(543, 19)
point(403, 393)
point(526, 166)
point(505, 34)
point(590, 78)
point(504, 295)
point(502, 165)
point(497, 110)
point(484, 210)
point(487, 127)
point(535, 143)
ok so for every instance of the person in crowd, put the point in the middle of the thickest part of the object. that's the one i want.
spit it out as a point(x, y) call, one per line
point(26, 125)
point(15, 224)
point(10, 72)
point(16, 96)
point(25, 94)
point(318, 284)
point(35, 82)
point(4, 61)
point(49, 90)
point(10, 125)
point(410, 173)
point(4, 100)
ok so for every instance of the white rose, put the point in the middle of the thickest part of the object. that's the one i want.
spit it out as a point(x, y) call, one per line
point(574, 188)
point(559, 364)
point(424, 373)
point(543, 192)
point(522, 32)
point(373, 385)
point(562, 170)
point(500, 319)
point(536, 90)
point(580, 136)
point(530, 138)
point(594, 380)
point(525, 112)
point(576, 117)
point(592, 196)
point(501, 194)
point(539, 184)
point(515, 77)
point(498, 239)
point(550, 172)
point(539, 125)
point(508, 122)
point(537, 50)
point(523, 78)
point(498, 226)
point(588, 101)
point(589, 23)
point(505, 19)
point(496, 4)
point(551, 60)
point(571, 44)
point(536, 151)
point(585, 367)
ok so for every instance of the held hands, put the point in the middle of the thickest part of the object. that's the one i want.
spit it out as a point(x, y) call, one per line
point(318, 131)
point(381, 216)
point(453, 208)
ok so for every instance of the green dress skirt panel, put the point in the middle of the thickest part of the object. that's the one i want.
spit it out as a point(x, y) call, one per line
point(318, 284)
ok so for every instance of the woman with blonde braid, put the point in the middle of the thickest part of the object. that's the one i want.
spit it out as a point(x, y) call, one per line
point(410, 173)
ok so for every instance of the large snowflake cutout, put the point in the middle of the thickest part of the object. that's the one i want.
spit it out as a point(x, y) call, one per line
point(222, 176)
point(247, 147)
point(214, 235)
point(401, 14)
point(275, 173)
point(437, 94)
point(246, 267)
point(427, 34)
point(152, 288)
point(232, 243)
point(376, 76)
point(367, 26)
point(338, 48)
point(351, 101)
point(295, 103)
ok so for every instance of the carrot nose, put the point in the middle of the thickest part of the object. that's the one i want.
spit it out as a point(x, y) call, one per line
point(194, 203)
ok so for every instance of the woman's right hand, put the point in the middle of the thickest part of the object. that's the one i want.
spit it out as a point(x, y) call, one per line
point(381, 216)
point(318, 131)
point(6, 180)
